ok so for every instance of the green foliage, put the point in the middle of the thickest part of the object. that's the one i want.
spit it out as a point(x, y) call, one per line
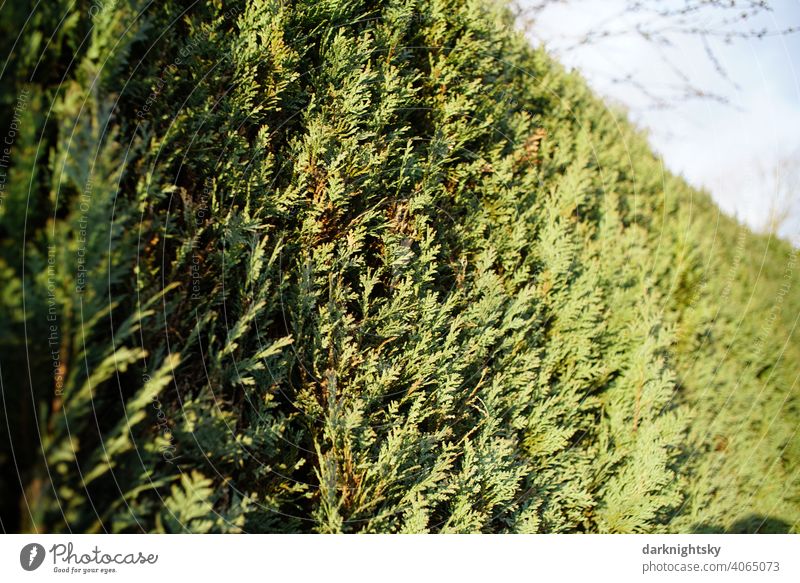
point(350, 266)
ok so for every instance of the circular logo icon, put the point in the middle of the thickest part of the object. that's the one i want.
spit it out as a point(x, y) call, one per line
point(31, 556)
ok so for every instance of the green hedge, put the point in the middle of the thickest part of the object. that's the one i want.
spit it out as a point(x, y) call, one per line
point(349, 266)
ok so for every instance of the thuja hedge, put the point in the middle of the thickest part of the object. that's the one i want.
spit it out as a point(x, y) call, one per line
point(349, 266)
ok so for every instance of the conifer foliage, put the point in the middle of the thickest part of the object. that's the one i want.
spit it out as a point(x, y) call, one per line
point(350, 266)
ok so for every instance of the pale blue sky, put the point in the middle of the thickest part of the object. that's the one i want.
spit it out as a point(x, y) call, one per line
point(738, 151)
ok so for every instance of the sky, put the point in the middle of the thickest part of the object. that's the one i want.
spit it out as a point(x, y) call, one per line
point(745, 151)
